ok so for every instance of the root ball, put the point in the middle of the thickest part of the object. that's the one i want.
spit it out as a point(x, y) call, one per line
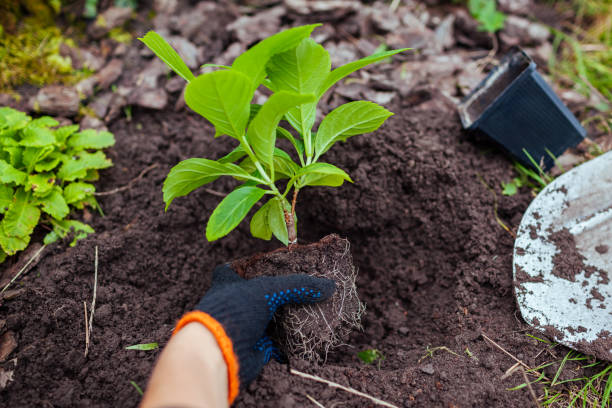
point(309, 332)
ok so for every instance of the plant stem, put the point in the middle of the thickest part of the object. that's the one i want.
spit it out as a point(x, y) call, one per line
point(308, 146)
point(268, 181)
point(290, 219)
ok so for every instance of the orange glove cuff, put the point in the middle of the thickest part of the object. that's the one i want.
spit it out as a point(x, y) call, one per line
point(225, 345)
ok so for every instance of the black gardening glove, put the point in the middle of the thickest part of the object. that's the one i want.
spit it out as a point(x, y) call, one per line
point(243, 308)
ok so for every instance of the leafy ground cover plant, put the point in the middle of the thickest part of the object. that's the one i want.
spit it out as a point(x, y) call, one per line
point(298, 72)
point(44, 173)
point(485, 12)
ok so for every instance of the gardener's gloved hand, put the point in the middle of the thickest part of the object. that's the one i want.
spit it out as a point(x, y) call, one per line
point(237, 312)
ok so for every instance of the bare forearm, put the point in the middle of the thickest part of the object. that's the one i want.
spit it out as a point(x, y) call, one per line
point(190, 372)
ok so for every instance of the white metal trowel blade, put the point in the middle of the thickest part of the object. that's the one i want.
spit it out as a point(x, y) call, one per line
point(563, 288)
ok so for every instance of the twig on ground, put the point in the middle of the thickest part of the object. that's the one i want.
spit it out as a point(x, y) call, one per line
point(504, 351)
point(342, 387)
point(314, 401)
point(531, 391)
point(93, 302)
point(517, 367)
point(86, 329)
point(23, 268)
point(128, 185)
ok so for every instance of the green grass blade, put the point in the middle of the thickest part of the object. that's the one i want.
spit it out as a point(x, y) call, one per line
point(143, 347)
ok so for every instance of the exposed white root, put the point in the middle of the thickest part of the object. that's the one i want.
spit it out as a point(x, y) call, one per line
point(308, 340)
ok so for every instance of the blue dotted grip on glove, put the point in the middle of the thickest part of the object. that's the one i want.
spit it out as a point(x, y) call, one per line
point(244, 309)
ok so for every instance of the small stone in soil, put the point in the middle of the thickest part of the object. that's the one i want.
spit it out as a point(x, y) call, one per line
point(85, 87)
point(175, 84)
point(56, 100)
point(8, 343)
point(152, 99)
point(428, 369)
point(526, 31)
point(110, 73)
point(91, 122)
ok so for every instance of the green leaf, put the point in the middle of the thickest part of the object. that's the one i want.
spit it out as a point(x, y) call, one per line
point(47, 164)
point(223, 98)
point(260, 228)
point(248, 165)
point(353, 118)
point(261, 134)
point(253, 62)
point(215, 66)
point(233, 156)
point(40, 184)
point(51, 237)
point(486, 13)
point(510, 188)
point(75, 167)
point(347, 69)
point(61, 228)
point(64, 132)
point(6, 197)
point(322, 174)
point(2, 255)
point(12, 244)
point(32, 155)
point(283, 164)
point(193, 173)
point(285, 134)
point(143, 347)
point(231, 210)
point(36, 136)
point(44, 121)
point(91, 139)
point(9, 174)
point(253, 110)
point(54, 204)
point(15, 155)
point(301, 70)
point(369, 356)
point(166, 53)
point(276, 221)
point(12, 119)
point(78, 191)
point(18, 223)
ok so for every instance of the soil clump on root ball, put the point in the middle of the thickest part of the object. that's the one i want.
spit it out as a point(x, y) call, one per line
point(309, 332)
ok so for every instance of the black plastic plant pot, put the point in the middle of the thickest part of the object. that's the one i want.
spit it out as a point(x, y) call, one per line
point(517, 108)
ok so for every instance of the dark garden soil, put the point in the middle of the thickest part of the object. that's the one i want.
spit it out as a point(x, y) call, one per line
point(434, 270)
point(423, 220)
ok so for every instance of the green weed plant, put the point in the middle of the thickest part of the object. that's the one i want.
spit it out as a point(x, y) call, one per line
point(45, 174)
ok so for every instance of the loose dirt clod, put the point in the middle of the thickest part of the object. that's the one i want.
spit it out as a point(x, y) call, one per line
point(310, 331)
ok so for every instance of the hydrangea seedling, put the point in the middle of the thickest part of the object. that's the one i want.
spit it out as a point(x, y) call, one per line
point(298, 72)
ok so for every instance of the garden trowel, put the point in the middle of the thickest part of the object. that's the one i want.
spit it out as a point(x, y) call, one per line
point(563, 259)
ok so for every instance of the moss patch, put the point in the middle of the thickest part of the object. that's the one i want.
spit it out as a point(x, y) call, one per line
point(30, 43)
